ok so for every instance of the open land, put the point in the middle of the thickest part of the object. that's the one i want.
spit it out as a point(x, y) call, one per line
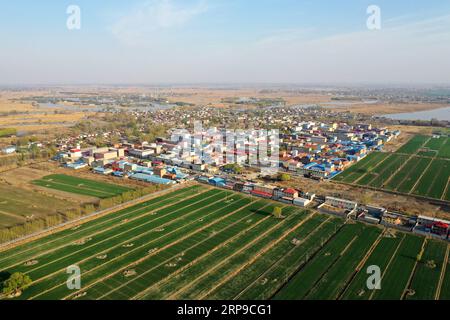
point(420, 167)
point(201, 243)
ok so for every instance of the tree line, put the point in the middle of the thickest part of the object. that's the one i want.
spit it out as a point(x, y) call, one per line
point(32, 226)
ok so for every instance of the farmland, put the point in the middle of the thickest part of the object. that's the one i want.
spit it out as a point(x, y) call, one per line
point(80, 186)
point(204, 243)
point(421, 167)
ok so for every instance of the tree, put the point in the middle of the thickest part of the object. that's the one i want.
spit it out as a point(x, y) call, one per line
point(277, 212)
point(420, 254)
point(284, 177)
point(16, 283)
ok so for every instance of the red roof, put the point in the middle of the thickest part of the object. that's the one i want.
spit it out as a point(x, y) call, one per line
point(262, 193)
point(290, 191)
point(441, 225)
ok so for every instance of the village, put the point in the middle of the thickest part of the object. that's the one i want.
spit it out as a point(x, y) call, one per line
point(317, 151)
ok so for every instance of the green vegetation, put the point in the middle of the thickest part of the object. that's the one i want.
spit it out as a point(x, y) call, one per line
point(284, 177)
point(199, 243)
point(414, 144)
point(232, 167)
point(426, 278)
point(425, 174)
point(277, 212)
point(81, 186)
point(18, 218)
point(15, 284)
point(7, 132)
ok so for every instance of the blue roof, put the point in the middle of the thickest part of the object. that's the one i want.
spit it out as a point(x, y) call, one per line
point(217, 180)
point(151, 178)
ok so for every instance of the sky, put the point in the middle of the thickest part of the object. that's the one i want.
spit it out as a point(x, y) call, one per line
point(224, 41)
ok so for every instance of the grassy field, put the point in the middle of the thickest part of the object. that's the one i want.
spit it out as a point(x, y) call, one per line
point(201, 243)
point(81, 186)
point(413, 145)
point(418, 168)
point(19, 205)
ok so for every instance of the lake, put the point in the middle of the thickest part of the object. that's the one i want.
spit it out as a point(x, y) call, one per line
point(439, 114)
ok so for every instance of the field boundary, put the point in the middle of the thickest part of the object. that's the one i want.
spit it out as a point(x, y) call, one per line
point(141, 294)
point(73, 223)
point(303, 265)
point(394, 254)
point(121, 243)
point(442, 275)
point(413, 271)
point(275, 264)
point(107, 229)
point(113, 237)
point(176, 242)
point(360, 265)
point(254, 258)
point(419, 197)
point(171, 244)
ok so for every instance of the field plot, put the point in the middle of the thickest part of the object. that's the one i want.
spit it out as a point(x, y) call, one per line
point(381, 256)
point(445, 288)
point(361, 168)
point(81, 186)
point(204, 243)
point(434, 180)
point(19, 205)
point(305, 280)
point(395, 277)
point(426, 278)
point(414, 145)
point(444, 151)
point(263, 278)
point(409, 174)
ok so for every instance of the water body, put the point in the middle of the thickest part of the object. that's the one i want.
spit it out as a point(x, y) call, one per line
point(439, 114)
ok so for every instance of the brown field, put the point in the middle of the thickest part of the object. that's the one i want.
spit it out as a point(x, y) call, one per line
point(31, 119)
point(409, 205)
point(20, 201)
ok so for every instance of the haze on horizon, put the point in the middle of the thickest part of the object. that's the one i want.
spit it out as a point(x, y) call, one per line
point(224, 41)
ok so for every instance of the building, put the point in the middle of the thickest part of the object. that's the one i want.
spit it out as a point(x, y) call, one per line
point(151, 178)
point(341, 203)
point(433, 226)
point(140, 154)
point(397, 220)
point(217, 182)
point(9, 150)
point(101, 170)
point(159, 171)
point(301, 202)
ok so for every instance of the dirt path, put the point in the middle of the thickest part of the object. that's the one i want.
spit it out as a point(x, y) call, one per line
point(442, 276)
point(157, 251)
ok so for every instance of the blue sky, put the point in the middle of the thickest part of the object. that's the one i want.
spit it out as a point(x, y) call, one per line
point(193, 41)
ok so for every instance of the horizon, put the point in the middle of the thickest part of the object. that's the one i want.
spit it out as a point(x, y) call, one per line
point(167, 42)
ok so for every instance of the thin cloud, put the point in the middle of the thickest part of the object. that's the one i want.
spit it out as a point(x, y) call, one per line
point(154, 16)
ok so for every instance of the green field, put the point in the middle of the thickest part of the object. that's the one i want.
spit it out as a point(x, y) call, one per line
point(409, 171)
point(200, 243)
point(81, 186)
point(414, 144)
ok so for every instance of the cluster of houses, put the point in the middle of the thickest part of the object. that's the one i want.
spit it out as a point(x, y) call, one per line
point(321, 150)
point(347, 209)
point(285, 195)
point(310, 149)
point(124, 160)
